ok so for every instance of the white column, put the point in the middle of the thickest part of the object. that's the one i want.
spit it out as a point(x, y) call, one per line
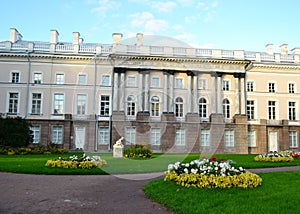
point(147, 92)
point(140, 96)
point(219, 94)
point(195, 93)
point(214, 95)
point(165, 102)
point(237, 94)
point(122, 91)
point(189, 102)
point(243, 96)
point(171, 92)
point(116, 88)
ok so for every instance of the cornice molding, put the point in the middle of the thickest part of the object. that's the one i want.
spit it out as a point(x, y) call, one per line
point(256, 66)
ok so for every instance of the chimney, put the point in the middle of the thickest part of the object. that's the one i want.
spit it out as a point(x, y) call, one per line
point(117, 38)
point(54, 37)
point(269, 49)
point(284, 49)
point(139, 39)
point(14, 35)
point(76, 36)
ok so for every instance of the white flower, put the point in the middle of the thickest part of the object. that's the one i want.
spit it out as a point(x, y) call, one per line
point(194, 171)
point(186, 170)
point(170, 167)
point(222, 165)
point(216, 168)
point(187, 165)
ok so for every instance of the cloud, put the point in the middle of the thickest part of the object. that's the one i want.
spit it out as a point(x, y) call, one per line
point(164, 7)
point(147, 22)
point(105, 5)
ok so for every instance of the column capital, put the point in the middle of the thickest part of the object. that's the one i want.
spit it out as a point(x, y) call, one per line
point(190, 73)
point(220, 74)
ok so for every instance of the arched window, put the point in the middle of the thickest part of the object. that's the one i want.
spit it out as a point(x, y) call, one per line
point(131, 105)
point(202, 108)
point(155, 106)
point(226, 108)
point(178, 107)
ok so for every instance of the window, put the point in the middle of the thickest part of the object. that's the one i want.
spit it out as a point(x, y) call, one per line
point(130, 135)
point(36, 103)
point(226, 108)
point(59, 100)
point(271, 110)
point(131, 81)
point(82, 79)
point(104, 105)
point(291, 88)
point(229, 138)
point(155, 82)
point(293, 139)
point(105, 80)
point(202, 108)
point(225, 85)
point(37, 78)
point(155, 136)
point(103, 135)
point(178, 107)
point(292, 110)
point(178, 82)
point(252, 138)
point(155, 106)
point(203, 84)
point(35, 132)
point(250, 86)
point(57, 134)
point(15, 77)
point(81, 104)
point(13, 103)
point(180, 137)
point(131, 106)
point(271, 87)
point(60, 78)
point(205, 137)
point(250, 109)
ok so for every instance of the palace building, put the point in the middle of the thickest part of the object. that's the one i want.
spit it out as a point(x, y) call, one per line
point(152, 90)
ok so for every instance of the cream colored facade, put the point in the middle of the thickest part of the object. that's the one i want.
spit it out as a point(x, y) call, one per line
point(152, 90)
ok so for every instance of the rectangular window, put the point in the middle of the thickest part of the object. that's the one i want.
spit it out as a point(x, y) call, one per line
point(81, 104)
point(272, 87)
point(15, 77)
point(37, 78)
point(57, 134)
point(60, 78)
point(252, 138)
point(155, 82)
point(104, 105)
point(13, 103)
point(105, 80)
point(130, 135)
point(36, 133)
point(59, 101)
point(36, 103)
point(178, 83)
point(291, 88)
point(293, 139)
point(292, 110)
point(229, 138)
point(131, 81)
point(250, 86)
point(180, 137)
point(271, 110)
point(103, 135)
point(202, 84)
point(155, 136)
point(225, 85)
point(205, 137)
point(82, 79)
point(250, 109)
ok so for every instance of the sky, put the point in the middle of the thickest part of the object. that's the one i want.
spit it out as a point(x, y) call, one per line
point(221, 24)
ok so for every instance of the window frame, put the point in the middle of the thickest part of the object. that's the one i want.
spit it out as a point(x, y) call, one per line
point(294, 142)
point(81, 81)
point(252, 136)
point(229, 141)
point(272, 87)
point(225, 85)
point(131, 106)
point(34, 106)
point(226, 108)
point(15, 79)
point(15, 103)
point(59, 139)
point(130, 135)
point(103, 135)
point(36, 129)
point(203, 84)
point(203, 107)
point(155, 82)
point(155, 107)
point(105, 106)
point(179, 107)
point(105, 80)
point(39, 79)
point(272, 110)
point(81, 109)
point(204, 137)
point(180, 137)
point(59, 81)
point(62, 110)
point(179, 83)
point(250, 108)
point(155, 136)
point(250, 86)
point(131, 81)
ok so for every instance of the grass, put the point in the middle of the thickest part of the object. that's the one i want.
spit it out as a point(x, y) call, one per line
point(279, 193)
point(35, 164)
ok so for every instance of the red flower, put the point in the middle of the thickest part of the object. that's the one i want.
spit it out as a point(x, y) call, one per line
point(213, 158)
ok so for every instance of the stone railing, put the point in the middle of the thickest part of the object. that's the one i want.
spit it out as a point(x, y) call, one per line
point(100, 49)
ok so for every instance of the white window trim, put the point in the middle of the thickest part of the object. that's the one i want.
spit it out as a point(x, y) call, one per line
point(204, 144)
point(184, 132)
point(296, 109)
point(295, 86)
point(159, 109)
point(155, 86)
point(276, 109)
point(275, 86)
point(254, 143)
point(14, 71)
point(297, 139)
point(179, 78)
point(53, 103)
point(254, 85)
point(86, 78)
point(55, 79)
point(205, 81)
point(42, 99)
point(229, 84)
point(86, 104)
point(109, 83)
point(106, 128)
point(131, 76)
point(62, 136)
point(155, 143)
point(255, 107)
point(130, 127)
point(110, 106)
point(39, 127)
point(226, 143)
point(7, 102)
point(37, 72)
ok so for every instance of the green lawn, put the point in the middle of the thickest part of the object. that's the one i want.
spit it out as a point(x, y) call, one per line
point(35, 164)
point(279, 193)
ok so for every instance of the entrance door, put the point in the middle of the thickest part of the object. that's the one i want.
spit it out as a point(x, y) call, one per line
point(273, 141)
point(79, 137)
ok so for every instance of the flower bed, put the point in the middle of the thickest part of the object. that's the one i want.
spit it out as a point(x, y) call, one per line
point(211, 173)
point(274, 157)
point(137, 151)
point(84, 162)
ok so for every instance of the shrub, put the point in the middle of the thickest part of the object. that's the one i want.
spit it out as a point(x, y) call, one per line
point(52, 149)
point(274, 157)
point(137, 151)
